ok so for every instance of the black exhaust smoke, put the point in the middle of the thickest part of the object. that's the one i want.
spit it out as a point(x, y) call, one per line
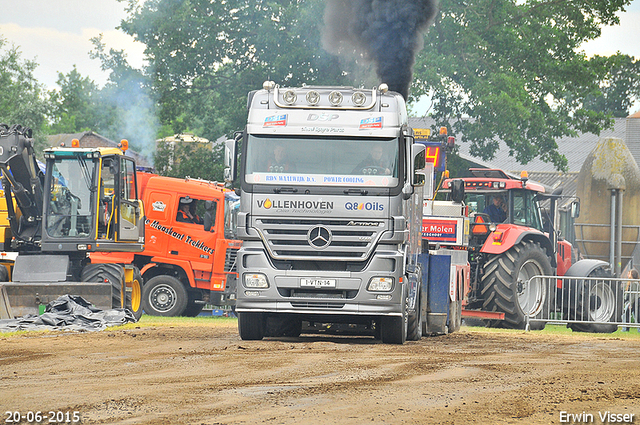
point(386, 32)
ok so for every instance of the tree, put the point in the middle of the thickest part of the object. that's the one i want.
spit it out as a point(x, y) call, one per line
point(514, 71)
point(21, 96)
point(620, 86)
point(195, 160)
point(75, 104)
point(206, 56)
point(127, 102)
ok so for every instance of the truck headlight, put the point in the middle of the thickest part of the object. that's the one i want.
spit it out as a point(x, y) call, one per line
point(256, 280)
point(380, 284)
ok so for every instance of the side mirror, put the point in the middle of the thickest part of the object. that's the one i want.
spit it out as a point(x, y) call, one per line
point(419, 179)
point(419, 158)
point(575, 209)
point(418, 163)
point(229, 160)
point(457, 190)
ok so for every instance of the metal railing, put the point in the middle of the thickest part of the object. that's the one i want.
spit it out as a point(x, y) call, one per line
point(588, 304)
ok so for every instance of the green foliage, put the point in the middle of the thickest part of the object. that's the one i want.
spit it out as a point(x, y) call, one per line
point(206, 56)
point(75, 105)
point(195, 160)
point(620, 86)
point(514, 71)
point(21, 96)
point(127, 101)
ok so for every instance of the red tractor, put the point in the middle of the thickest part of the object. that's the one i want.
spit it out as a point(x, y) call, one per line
point(511, 240)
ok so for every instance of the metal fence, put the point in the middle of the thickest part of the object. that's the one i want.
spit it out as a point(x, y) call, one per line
point(588, 304)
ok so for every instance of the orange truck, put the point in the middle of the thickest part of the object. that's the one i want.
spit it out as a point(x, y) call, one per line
point(190, 251)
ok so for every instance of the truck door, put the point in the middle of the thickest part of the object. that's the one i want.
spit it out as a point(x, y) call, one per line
point(198, 245)
point(130, 214)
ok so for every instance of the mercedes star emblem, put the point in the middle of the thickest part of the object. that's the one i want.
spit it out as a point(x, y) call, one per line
point(319, 237)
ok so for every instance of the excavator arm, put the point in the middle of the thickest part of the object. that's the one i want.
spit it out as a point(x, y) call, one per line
point(23, 181)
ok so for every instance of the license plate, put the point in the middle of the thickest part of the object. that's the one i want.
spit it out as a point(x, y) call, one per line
point(318, 283)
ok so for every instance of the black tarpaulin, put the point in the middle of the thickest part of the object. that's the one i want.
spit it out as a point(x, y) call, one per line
point(69, 312)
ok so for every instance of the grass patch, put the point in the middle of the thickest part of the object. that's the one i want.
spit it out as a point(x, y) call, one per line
point(558, 330)
point(200, 321)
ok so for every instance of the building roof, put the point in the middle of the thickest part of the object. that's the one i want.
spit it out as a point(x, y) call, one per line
point(89, 139)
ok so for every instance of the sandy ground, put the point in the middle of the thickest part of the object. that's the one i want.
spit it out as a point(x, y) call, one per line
point(206, 375)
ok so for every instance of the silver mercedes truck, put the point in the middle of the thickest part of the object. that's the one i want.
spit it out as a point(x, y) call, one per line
point(331, 195)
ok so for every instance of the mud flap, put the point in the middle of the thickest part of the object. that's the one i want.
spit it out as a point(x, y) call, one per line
point(27, 297)
point(438, 294)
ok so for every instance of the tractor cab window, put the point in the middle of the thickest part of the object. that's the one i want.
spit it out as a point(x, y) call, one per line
point(190, 210)
point(525, 209)
point(69, 213)
point(494, 204)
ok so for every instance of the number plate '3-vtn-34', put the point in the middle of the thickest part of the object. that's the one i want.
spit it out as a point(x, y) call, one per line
point(318, 283)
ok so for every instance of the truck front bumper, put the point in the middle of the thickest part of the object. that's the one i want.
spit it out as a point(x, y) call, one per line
point(345, 294)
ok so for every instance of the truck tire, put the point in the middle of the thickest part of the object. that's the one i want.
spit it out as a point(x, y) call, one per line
point(505, 289)
point(134, 294)
point(164, 296)
point(4, 273)
point(596, 301)
point(114, 274)
point(193, 306)
point(251, 326)
point(414, 320)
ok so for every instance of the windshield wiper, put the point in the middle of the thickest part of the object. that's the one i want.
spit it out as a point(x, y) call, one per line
point(355, 191)
point(285, 190)
point(88, 178)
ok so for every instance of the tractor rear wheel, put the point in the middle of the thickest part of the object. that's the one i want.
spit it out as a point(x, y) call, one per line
point(506, 286)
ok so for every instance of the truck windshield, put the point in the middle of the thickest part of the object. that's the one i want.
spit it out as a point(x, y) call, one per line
point(322, 161)
point(69, 213)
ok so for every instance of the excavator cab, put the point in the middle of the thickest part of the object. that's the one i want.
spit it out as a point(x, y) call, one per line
point(85, 200)
point(91, 202)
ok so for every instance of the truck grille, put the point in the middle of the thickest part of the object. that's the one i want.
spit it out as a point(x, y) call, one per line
point(230, 260)
point(345, 239)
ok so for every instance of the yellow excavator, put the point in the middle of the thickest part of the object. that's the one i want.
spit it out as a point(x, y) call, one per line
point(85, 201)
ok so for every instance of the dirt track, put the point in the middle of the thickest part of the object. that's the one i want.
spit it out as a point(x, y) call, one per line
point(207, 375)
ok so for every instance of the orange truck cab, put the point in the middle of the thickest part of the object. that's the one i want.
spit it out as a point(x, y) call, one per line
point(189, 255)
